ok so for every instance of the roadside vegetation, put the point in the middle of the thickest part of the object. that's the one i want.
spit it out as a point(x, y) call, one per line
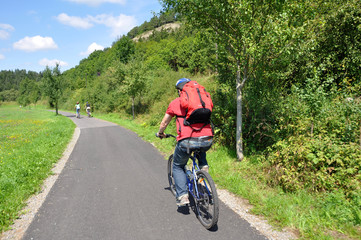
point(31, 142)
point(285, 79)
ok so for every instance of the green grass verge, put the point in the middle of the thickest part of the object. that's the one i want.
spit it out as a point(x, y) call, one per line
point(310, 216)
point(31, 141)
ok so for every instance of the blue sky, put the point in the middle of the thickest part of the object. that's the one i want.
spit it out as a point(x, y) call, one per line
point(38, 33)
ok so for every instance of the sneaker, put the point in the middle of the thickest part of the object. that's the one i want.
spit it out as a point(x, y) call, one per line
point(205, 168)
point(182, 200)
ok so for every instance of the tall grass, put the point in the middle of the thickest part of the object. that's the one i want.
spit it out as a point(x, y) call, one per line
point(31, 141)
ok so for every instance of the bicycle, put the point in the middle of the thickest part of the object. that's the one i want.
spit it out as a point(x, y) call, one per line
point(202, 189)
point(78, 113)
point(88, 112)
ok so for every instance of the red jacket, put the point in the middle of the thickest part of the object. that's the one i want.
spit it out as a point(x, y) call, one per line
point(175, 109)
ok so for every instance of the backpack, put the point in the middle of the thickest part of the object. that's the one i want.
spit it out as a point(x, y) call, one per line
point(197, 102)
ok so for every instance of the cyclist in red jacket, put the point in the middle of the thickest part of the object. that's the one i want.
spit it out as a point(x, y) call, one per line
point(189, 137)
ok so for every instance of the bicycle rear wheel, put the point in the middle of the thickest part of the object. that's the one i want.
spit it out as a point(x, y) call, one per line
point(170, 175)
point(207, 204)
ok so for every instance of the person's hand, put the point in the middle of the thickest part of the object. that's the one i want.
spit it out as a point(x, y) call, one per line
point(161, 135)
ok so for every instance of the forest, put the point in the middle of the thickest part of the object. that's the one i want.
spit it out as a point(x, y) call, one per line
point(285, 79)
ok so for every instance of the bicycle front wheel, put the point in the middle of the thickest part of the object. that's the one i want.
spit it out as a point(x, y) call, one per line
point(170, 175)
point(207, 203)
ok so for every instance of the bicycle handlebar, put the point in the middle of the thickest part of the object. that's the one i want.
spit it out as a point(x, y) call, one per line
point(166, 135)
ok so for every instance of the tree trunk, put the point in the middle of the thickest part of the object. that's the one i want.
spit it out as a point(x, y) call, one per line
point(133, 107)
point(239, 140)
point(56, 107)
point(216, 58)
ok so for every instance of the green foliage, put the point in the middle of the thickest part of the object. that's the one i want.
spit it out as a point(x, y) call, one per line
point(195, 53)
point(124, 48)
point(338, 46)
point(29, 92)
point(10, 82)
point(224, 114)
point(9, 95)
point(319, 146)
point(11, 79)
point(53, 86)
point(317, 164)
point(133, 78)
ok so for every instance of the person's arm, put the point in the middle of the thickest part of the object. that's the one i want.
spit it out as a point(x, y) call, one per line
point(163, 125)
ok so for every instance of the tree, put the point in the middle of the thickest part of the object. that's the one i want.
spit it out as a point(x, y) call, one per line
point(28, 92)
point(53, 85)
point(252, 31)
point(9, 95)
point(124, 48)
point(134, 82)
point(34, 94)
point(24, 92)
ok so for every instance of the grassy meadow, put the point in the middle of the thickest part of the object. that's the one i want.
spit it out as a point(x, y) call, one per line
point(31, 141)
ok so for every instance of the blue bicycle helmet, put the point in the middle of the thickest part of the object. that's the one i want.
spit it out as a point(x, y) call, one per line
point(181, 82)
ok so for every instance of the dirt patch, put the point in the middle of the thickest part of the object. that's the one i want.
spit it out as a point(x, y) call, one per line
point(168, 27)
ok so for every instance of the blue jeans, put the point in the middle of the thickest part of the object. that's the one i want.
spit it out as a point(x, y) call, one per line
point(181, 155)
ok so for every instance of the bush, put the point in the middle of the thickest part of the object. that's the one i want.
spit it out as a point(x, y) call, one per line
point(317, 164)
point(318, 146)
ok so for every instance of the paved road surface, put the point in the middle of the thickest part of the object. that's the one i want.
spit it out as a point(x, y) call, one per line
point(114, 186)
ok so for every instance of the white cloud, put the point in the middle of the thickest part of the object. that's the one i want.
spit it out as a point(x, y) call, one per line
point(4, 34)
point(98, 2)
point(119, 24)
point(32, 44)
point(2, 57)
point(92, 47)
point(5, 29)
point(52, 63)
point(76, 22)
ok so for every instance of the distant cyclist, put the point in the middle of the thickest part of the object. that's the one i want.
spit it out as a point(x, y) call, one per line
point(87, 107)
point(77, 108)
point(199, 135)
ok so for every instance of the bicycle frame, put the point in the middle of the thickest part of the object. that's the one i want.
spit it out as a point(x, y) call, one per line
point(202, 189)
point(192, 182)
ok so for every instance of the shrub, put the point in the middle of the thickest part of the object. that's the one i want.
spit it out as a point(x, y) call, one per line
point(317, 164)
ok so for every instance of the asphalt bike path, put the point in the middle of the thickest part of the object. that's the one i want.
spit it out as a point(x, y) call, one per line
point(114, 186)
